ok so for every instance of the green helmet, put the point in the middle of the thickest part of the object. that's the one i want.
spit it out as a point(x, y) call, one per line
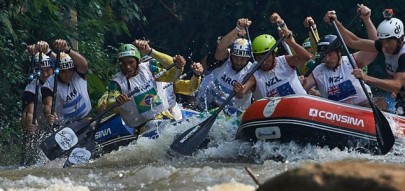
point(307, 43)
point(127, 50)
point(263, 43)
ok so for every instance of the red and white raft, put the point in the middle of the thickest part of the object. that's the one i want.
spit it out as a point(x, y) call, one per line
point(308, 119)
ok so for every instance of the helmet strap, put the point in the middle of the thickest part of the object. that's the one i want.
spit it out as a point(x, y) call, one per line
point(400, 42)
point(339, 54)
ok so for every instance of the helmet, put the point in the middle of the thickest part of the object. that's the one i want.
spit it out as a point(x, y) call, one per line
point(323, 44)
point(390, 28)
point(307, 43)
point(263, 43)
point(46, 61)
point(240, 47)
point(66, 62)
point(126, 50)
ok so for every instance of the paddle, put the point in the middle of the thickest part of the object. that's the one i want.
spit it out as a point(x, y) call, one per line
point(275, 18)
point(80, 155)
point(323, 54)
point(385, 137)
point(189, 140)
point(55, 82)
point(67, 138)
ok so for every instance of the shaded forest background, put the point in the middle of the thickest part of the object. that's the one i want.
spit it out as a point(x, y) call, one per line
point(188, 28)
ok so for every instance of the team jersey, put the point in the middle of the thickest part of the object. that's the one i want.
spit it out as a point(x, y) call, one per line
point(392, 64)
point(72, 99)
point(218, 85)
point(282, 80)
point(149, 99)
point(339, 84)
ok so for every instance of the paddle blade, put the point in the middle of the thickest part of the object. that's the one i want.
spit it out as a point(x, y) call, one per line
point(64, 139)
point(385, 137)
point(188, 141)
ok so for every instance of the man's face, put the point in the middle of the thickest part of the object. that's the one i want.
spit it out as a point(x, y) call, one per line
point(239, 62)
point(331, 59)
point(66, 75)
point(267, 64)
point(389, 45)
point(128, 66)
point(46, 72)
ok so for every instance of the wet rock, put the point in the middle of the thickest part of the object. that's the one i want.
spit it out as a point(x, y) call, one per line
point(342, 175)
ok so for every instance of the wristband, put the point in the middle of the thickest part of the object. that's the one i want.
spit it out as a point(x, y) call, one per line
point(237, 28)
point(68, 51)
point(49, 52)
point(150, 52)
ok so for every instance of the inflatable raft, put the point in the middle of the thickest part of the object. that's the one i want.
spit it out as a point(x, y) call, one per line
point(307, 119)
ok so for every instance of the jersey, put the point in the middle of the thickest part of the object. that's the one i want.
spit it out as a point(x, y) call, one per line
point(339, 84)
point(218, 85)
point(72, 99)
point(149, 99)
point(282, 80)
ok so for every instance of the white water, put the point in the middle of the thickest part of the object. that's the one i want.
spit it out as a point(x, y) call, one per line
point(146, 164)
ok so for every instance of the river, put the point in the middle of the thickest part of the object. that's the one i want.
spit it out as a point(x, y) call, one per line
point(150, 165)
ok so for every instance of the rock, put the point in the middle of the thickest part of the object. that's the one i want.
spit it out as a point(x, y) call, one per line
point(340, 175)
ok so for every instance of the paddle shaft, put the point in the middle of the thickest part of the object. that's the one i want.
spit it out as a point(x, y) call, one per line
point(311, 29)
point(385, 140)
point(55, 82)
point(323, 54)
point(37, 77)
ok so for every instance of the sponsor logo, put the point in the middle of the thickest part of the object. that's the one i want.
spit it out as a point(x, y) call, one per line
point(268, 132)
point(103, 133)
point(185, 138)
point(66, 138)
point(270, 107)
point(79, 156)
point(336, 117)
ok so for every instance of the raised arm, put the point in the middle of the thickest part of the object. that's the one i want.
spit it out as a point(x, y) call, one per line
point(350, 39)
point(301, 55)
point(81, 62)
point(364, 58)
point(222, 52)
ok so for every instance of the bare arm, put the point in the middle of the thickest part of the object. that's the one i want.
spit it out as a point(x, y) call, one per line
point(222, 48)
point(81, 62)
point(242, 90)
point(350, 39)
point(391, 85)
point(309, 82)
point(301, 55)
point(364, 58)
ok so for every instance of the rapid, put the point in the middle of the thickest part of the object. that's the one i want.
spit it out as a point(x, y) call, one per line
point(149, 164)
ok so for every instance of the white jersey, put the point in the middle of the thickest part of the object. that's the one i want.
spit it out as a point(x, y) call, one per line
point(41, 119)
point(72, 99)
point(391, 62)
point(282, 80)
point(218, 85)
point(149, 99)
point(174, 109)
point(339, 84)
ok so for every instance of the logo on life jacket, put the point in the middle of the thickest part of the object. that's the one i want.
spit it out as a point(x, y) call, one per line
point(228, 80)
point(336, 117)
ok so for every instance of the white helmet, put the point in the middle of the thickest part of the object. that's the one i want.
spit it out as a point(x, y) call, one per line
point(46, 61)
point(240, 47)
point(66, 62)
point(390, 28)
